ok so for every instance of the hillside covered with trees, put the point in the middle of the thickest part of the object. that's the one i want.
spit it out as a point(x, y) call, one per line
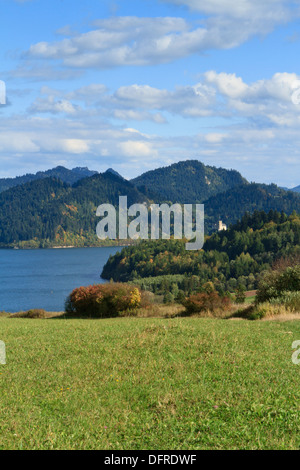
point(61, 210)
point(232, 205)
point(229, 260)
point(48, 211)
point(187, 182)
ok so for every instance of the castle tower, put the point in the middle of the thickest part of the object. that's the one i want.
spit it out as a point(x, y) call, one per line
point(222, 226)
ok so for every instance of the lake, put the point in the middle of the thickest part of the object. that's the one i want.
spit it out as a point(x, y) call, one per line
point(44, 278)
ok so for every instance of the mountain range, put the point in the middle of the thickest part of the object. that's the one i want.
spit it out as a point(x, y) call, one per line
point(58, 207)
point(60, 172)
point(188, 182)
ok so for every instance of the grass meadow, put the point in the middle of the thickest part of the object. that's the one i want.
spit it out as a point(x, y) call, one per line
point(149, 383)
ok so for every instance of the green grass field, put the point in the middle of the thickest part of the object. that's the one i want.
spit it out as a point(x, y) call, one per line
point(144, 383)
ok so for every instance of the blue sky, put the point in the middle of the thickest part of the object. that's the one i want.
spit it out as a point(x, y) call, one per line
point(135, 85)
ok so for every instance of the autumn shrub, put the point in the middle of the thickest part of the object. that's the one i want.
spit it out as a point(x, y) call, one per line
point(103, 300)
point(285, 262)
point(204, 301)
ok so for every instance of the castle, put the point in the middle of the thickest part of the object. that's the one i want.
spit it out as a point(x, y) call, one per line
point(222, 226)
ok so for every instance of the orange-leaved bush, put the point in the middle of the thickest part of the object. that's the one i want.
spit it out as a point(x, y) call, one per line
point(204, 301)
point(103, 300)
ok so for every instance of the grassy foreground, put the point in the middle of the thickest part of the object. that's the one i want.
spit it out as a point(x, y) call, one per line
point(144, 383)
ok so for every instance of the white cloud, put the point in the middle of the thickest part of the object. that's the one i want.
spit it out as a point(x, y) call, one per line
point(269, 10)
point(269, 99)
point(136, 148)
point(134, 41)
point(214, 138)
point(135, 102)
point(264, 128)
point(23, 143)
point(76, 146)
point(53, 106)
point(46, 142)
point(227, 84)
point(217, 94)
point(190, 101)
point(117, 41)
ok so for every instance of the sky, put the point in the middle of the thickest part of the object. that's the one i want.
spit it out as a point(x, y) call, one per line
point(139, 84)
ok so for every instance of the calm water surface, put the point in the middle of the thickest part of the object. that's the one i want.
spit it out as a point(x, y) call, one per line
point(44, 278)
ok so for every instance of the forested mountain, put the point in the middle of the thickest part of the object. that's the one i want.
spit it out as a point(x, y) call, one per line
point(60, 172)
point(114, 172)
point(258, 233)
point(228, 259)
point(231, 205)
point(295, 190)
point(32, 210)
point(49, 211)
point(187, 182)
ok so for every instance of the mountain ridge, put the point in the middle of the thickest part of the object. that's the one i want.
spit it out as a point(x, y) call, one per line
point(50, 212)
point(187, 182)
point(64, 174)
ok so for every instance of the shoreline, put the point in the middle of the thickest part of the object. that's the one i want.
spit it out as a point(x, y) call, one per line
point(65, 247)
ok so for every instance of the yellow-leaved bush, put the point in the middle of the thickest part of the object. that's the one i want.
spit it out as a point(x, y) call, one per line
point(103, 300)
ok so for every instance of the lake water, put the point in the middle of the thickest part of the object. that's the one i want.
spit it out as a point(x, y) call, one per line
point(44, 278)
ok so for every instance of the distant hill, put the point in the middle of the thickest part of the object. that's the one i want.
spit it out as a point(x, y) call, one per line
point(187, 182)
point(49, 212)
point(258, 234)
point(232, 204)
point(60, 172)
point(114, 172)
point(228, 259)
point(295, 190)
